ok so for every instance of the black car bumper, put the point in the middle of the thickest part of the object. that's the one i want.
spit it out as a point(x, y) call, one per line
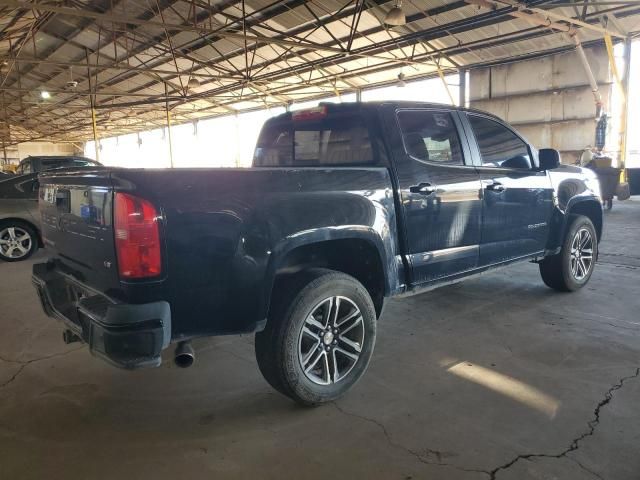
point(126, 335)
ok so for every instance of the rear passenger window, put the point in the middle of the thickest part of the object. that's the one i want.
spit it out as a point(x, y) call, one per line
point(499, 146)
point(430, 136)
point(332, 141)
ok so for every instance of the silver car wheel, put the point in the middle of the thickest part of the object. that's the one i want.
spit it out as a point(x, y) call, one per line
point(331, 340)
point(15, 242)
point(581, 259)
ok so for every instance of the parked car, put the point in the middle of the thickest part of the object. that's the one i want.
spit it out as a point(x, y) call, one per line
point(19, 224)
point(40, 163)
point(19, 216)
point(345, 206)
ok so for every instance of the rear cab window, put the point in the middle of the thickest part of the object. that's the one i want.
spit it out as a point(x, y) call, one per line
point(66, 162)
point(315, 138)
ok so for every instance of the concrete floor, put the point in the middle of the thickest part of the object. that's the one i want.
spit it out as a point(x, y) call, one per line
point(498, 377)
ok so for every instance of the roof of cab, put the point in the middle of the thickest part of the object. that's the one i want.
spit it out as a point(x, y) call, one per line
point(356, 106)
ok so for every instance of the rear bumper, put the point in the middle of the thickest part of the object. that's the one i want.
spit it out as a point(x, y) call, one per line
point(125, 335)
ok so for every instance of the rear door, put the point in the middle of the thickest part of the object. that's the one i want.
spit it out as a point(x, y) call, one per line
point(439, 193)
point(517, 198)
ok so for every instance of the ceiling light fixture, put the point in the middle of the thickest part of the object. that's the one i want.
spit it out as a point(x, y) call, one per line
point(71, 84)
point(193, 83)
point(45, 95)
point(396, 17)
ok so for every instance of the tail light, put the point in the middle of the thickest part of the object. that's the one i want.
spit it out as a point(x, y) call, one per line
point(137, 237)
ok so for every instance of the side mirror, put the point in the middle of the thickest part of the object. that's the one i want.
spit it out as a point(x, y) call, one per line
point(549, 158)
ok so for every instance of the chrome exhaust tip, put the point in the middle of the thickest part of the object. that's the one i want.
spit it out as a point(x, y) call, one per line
point(184, 355)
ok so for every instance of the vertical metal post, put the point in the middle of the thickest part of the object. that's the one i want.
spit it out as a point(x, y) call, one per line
point(92, 100)
point(166, 97)
point(236, 121)
point(624, 117)
point(95, 130)
point(8, 131)
point(359, 95)
point(462, 94)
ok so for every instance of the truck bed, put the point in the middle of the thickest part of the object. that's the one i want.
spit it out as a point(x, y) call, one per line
point(220, 228)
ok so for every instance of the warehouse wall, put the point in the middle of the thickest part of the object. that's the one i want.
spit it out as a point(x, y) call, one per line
point(47, 148)
point(547, 99)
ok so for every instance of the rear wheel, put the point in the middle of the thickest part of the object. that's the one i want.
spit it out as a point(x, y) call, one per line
point(319, 338)
point(18, 241)
point(571, 269)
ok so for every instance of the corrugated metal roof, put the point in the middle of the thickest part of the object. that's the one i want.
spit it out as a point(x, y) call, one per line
point(124, 54)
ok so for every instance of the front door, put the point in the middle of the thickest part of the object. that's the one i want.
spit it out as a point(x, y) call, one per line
point(517, 197)
point(439, 193)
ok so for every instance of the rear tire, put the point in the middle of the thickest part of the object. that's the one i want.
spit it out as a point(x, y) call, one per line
point(571, 269)
point(18, 241)
point(319, 337)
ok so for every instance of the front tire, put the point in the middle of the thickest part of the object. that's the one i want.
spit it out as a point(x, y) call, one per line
point(571, 269)
point(319, 337)
point(18, 241)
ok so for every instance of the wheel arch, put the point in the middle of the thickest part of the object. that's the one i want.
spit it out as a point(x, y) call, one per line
point(361, 256)
point(590, 208)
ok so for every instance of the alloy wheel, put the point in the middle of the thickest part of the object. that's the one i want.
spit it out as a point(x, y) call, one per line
point(581, 259)
point(15, 242)
point(331, 340)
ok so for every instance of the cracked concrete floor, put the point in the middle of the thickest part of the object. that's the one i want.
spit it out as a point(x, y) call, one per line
point(498, 377)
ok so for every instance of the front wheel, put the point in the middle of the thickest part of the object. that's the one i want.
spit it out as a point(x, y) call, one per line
point(571, 269)
point(319, 338)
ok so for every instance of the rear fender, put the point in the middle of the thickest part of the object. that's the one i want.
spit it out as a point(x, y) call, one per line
point(324, 237)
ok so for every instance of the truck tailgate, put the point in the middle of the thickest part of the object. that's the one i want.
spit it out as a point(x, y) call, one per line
point(77, 224)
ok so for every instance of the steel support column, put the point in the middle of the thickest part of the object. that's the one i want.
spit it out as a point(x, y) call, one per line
point(92, 104)
point(462, 73)
point(624, 118)
point(166, 106)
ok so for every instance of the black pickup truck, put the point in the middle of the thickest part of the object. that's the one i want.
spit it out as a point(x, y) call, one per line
point(346, 205)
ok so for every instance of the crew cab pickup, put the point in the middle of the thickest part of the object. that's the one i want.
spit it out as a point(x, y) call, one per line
point(345, 206)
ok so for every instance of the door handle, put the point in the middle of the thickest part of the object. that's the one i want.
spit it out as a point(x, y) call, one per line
point(496, 187)
point(423, 189)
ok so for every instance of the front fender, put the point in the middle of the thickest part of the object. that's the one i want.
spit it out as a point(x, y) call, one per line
point(585, 204)
point(576, 189)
